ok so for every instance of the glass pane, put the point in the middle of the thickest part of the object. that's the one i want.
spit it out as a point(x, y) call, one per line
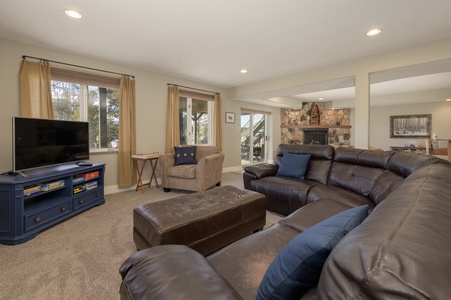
point(103, 117)
point(183, 117)
point(245, 138)
point(113, 117)
point(66, 100)
point(93, 117)
point(199, 117)
point(258, 138)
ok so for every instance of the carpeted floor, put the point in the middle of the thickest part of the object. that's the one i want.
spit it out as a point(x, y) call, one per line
point(80, 258)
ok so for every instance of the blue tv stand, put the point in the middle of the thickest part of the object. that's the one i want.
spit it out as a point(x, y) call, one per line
point(45, 197)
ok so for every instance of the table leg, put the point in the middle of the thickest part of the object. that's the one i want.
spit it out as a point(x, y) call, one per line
point(153, 163)
point(139, 184)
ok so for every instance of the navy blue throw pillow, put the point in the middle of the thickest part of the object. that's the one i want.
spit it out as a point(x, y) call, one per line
point(293, 165)
point(185, 155)
point(298, 266)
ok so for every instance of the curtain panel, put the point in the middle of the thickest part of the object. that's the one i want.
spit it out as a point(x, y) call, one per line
point(127, 133)
point(172, 119)
point(34, 90)
point(218, 121)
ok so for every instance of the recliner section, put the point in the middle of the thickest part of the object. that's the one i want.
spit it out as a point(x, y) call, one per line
point(356, 175)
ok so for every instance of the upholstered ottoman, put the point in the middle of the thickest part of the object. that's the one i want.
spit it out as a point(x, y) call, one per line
point(205, 221)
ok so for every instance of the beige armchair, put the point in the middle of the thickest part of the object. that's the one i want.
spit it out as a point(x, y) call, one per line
point(194, 177)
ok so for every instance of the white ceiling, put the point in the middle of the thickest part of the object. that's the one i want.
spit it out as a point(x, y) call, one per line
point(212, 40)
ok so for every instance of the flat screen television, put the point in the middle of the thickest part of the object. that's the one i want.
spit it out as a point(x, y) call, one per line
point(45, 142)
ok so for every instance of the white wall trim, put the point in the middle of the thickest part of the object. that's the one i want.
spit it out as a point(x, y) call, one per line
point(112, 189)
point(232, 169)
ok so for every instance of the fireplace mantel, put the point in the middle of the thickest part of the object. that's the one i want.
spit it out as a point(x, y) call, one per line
point(315, 126)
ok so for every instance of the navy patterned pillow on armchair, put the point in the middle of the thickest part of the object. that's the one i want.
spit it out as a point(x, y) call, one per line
point(185, 155)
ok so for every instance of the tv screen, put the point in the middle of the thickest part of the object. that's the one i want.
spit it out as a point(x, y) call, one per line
point(44, 142)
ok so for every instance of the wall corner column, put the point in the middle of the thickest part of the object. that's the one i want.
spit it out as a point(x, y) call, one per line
point(362, 110)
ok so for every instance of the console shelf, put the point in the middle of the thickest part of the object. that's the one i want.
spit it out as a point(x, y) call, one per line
point(45, 198)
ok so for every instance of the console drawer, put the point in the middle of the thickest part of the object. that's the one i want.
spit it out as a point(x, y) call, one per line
point(87, 198)
point(38, 219)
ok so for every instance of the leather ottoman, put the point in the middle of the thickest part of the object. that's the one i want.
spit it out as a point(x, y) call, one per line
point(205, 221)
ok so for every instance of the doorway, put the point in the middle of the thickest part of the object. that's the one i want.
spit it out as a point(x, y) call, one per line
point(254, 137)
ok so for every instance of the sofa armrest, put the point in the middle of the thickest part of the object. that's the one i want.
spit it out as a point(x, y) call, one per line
point(172, 272)
point(263, 170)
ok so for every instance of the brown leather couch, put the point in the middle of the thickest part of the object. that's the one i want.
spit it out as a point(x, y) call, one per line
point(401, 251)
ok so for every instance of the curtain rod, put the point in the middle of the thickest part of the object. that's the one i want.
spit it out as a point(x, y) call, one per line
point(187, 87)
point(77, 66)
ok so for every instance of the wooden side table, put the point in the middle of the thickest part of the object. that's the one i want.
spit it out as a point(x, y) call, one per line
point(153, 159)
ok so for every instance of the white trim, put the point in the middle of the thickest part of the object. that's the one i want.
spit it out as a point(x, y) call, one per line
point(232, 169)
point(112, 189)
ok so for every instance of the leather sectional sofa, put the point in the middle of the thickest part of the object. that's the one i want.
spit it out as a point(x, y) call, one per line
point(402, 250)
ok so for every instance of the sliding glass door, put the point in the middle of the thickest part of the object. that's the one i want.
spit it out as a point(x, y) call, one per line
point(253, 138)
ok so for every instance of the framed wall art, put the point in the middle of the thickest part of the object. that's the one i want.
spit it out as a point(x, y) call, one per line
point(229, 117)
point(410, 126)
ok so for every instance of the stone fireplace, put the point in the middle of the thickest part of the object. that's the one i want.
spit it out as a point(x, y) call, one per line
point(333, 128)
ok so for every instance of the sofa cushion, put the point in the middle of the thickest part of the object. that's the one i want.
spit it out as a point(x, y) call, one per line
point(320, 161)
point(283, 195)
point(185, 155)
point(294, 165)
point(298, 266)
point(337, 194)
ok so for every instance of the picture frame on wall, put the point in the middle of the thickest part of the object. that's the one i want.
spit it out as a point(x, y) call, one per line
point(411, 126)
point(230, 117)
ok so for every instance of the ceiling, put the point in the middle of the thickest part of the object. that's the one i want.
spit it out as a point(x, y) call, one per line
point(210, 41)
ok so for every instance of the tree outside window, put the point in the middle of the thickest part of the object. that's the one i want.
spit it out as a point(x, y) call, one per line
point(97, 105)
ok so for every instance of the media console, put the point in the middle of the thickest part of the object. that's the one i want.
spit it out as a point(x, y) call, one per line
point(46, 197)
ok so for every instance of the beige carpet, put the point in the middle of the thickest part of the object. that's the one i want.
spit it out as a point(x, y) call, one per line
point(80, 258)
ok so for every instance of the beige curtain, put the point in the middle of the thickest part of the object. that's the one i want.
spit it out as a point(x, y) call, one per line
point(34, 90)
point(218, 121)
point(127, 132)
point(172, 120)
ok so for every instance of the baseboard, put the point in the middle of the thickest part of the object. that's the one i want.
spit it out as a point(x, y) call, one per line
point(112, 189)
point(232, 169)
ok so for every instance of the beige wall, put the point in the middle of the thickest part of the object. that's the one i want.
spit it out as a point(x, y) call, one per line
point(151, 95)
point(360, 69)
point(380, 122)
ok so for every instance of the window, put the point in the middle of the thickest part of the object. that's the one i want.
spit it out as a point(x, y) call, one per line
point(85, 97)
point(196, 118)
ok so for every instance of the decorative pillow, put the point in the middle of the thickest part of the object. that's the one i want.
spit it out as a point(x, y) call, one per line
point(298, 266)
point(293, 165)
point(185, 155)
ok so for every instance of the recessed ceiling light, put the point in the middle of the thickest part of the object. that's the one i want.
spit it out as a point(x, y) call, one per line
point(244, 71)
point(73, 14)
point(448, 100)
point(374, 32)
point(321, 99)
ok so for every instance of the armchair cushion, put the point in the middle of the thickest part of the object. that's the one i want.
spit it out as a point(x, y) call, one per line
point(185, 155)
point(183, 171)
